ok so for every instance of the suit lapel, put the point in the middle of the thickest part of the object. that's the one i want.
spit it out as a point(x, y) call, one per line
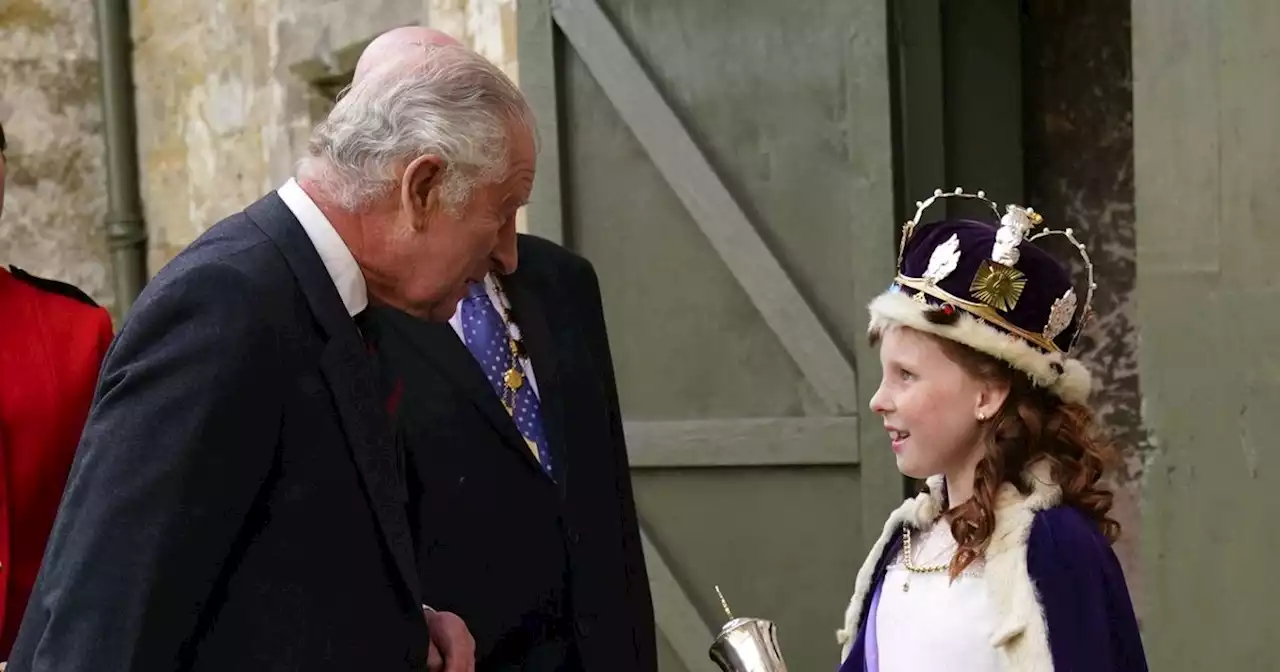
point(348, 369)
point(439, 344)
point(528, 313)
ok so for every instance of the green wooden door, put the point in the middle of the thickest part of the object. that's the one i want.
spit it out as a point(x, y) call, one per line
point(728, 168)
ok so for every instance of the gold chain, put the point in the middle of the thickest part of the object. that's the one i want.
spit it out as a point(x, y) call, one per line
point(911, 567)
point(513, 379)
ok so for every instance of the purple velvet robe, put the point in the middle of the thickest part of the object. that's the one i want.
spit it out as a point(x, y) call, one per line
point(1082, 592)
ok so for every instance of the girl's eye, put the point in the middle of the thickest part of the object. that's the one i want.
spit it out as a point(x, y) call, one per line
point(906, 375)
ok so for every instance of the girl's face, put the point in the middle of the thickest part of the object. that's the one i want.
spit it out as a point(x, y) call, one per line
point(933, 408)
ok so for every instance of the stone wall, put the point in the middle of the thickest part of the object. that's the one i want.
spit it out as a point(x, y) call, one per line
point(49, 105)
point(225, 95)
point(225, 105)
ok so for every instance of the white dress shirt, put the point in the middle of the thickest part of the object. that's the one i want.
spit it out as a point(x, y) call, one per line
point(333, 251)
point(490, 285)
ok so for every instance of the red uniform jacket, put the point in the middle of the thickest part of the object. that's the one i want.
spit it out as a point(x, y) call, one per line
point(52, 341)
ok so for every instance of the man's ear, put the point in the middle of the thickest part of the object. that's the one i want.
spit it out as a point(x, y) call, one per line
point(418, 192)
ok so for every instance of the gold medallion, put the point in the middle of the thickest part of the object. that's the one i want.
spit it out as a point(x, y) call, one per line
point(513, 378)
point(997, 285)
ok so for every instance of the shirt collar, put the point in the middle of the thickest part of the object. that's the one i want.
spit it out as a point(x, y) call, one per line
point(334, 253)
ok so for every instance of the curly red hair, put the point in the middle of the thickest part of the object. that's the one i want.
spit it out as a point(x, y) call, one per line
point(1032, 425)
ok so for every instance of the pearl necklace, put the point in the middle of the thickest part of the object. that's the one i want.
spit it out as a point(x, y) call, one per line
point(911, 567)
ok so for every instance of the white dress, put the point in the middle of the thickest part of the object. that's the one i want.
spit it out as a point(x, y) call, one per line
point(937, 624)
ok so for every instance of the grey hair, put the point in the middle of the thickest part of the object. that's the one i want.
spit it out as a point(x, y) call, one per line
point(452, 104)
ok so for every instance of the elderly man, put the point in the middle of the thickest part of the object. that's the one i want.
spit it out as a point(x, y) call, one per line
point(237, 501)
point(518, 465)
point(51, 345)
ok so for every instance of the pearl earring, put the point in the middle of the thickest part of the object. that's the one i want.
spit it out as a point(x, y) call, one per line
point(982, 417)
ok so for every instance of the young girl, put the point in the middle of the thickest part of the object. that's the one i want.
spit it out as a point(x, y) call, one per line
point(1004, 562)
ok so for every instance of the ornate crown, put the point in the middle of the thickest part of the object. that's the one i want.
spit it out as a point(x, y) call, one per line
point(991, 288)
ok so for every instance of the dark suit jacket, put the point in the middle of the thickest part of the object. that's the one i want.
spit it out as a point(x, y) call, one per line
point(236, 502)
point(548, 575)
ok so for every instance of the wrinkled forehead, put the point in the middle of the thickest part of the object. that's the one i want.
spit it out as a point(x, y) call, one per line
point(524, 149)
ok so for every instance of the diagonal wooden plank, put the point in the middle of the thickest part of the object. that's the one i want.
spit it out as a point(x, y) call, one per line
point(676, 617)
point(746, 442)
point(721, 219)
point(536, 35)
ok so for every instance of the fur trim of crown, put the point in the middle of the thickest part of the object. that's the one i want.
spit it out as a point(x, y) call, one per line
point(1063, 376)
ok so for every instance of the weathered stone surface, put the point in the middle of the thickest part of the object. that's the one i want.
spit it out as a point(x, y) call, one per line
point(49, 105)
point(488, 26)
point(1079, 174)
point(205, 106)
point(223, 113)
point(225, 106)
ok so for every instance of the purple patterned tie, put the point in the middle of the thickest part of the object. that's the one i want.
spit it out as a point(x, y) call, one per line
point(486, 336)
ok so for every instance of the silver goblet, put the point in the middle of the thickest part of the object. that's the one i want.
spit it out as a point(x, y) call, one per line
point(747, 644)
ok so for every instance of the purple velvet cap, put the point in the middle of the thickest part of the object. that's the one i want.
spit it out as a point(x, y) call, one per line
point(1023, 296)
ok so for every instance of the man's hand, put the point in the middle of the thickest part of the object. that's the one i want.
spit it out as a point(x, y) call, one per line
point(452, 647)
